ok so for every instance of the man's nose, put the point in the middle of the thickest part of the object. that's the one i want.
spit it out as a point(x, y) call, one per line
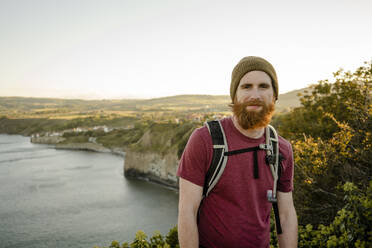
point(255, 94)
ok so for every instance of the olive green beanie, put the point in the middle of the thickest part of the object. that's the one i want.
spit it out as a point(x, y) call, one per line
point(252, 63)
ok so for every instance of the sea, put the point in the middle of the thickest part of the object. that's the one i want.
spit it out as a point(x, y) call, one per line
point(66, 198)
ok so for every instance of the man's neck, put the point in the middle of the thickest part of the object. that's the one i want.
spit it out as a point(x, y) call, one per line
point(251, 133)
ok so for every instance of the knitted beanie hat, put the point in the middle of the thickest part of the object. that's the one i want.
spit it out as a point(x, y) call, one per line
point(252, 63)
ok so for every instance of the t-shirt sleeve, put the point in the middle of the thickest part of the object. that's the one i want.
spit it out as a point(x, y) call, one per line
point(194, 161)
point(285, 183)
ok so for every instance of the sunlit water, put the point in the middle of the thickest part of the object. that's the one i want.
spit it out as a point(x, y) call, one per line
point(62, 198)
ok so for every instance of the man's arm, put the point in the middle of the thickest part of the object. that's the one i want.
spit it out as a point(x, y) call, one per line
point(189, 199)
point(288, 220)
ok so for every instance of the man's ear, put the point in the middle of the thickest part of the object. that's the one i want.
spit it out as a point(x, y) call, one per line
point(231, 105)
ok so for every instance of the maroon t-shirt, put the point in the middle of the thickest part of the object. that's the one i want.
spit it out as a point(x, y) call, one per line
point(236, 213)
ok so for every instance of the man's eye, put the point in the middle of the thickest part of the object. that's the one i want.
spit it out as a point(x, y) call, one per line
point(265, 86)
point(246, 86)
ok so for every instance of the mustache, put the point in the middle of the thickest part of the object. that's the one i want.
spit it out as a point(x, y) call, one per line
point(254, 103)
point(253, 119)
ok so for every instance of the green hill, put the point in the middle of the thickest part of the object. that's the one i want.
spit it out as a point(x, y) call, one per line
point(24, 107)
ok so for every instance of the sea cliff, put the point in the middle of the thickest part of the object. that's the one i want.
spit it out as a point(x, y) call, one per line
point(156, 154)
point(152, 166)
point(151, 152)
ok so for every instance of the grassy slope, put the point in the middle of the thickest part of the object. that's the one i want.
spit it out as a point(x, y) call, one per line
point(20, 107)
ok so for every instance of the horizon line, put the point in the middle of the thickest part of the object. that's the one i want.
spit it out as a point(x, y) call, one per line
point(125, 98)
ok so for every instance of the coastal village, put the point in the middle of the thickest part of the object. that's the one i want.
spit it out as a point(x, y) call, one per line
point(193, 117)
point(103, 128)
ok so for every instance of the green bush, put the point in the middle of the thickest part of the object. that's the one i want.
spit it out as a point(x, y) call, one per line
point(156, 241)
point(350, 227)
point(332, 140)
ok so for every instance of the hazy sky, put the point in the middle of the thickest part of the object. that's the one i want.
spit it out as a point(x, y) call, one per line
point(153, 48)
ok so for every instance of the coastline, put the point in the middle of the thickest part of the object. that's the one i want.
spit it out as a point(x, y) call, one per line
point(135, 174)
point(86, 146)
point(130, 173)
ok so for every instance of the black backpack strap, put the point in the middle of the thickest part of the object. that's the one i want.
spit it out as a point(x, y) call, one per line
point(255, 157)
point(250, 149)
point(277, 218)
point(219, 159)
point(275, 204)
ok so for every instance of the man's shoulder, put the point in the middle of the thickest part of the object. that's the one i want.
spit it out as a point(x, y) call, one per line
point(202, 133)
point(283, 140)
point(200, 136)
point(284, 144)
point(226, 123)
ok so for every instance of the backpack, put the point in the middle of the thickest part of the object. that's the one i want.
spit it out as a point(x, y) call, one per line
point(221, 153)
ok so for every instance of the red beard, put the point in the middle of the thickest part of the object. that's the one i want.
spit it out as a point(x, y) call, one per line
point(253, 119)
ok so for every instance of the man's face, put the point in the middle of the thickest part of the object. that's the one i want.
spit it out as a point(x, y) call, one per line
point(254, 100)
point(255, 85)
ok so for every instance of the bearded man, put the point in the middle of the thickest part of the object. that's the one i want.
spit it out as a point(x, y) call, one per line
point(236, 212)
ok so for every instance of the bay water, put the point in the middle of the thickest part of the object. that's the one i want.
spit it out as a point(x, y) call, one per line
point(64, 198)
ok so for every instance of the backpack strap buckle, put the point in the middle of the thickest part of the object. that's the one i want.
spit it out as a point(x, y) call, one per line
point(270, 197)
point(265, 147)
point(270, 159)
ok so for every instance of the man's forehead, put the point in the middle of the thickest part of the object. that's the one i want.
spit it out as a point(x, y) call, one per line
point(256, 77)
